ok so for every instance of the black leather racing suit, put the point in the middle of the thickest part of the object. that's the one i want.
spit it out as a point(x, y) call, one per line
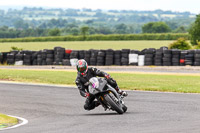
point(82, 83)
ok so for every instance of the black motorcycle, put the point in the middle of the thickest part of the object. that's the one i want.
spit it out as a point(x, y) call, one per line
point(106, 95)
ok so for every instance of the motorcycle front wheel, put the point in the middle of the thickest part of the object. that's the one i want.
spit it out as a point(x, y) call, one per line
point(114, 105)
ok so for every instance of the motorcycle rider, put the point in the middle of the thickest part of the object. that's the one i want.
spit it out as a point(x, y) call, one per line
point(82, 81)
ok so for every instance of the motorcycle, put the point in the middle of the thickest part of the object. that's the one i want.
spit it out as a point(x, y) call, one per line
point(106, 95)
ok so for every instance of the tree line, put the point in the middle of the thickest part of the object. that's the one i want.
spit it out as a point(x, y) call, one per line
point(38, 21)
point(73, 29)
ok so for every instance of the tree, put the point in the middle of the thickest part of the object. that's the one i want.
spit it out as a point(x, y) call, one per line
point(20, 24)
point(181, 43)
point(156, 27)
point(180, 29)
point(121, 29)
point(84, 31)
point(54, 32)
point(74, 31)
point(195, 31)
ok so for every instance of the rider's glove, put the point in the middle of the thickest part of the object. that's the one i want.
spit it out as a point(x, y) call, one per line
point(107, 76)
point(87, 94)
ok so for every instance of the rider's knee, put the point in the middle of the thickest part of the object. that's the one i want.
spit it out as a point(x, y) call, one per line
point(86, 107)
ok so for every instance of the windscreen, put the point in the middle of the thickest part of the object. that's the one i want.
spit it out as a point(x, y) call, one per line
point(94, 82)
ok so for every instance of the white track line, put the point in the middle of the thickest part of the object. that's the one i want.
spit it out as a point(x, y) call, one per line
point(24, 121)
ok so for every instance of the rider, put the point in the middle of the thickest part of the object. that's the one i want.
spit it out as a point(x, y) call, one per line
point(82, 81)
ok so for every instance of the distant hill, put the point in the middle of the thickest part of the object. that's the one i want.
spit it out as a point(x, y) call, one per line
point(34, 17)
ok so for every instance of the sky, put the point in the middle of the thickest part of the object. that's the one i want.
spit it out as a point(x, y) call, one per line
point(174, 5)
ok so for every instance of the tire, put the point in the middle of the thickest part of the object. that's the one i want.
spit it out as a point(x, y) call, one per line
point(149, 55)
point(158, 57)
point(175, 52)
point(191, 52)
point(189, 56)
point(101, 54)
point(125, 51)
point(167, 59)
point(167, 51)
point(197, 52)
point(158, 64)
point(109, 56)
point(175, 64)
point(150, 51)
point(159, 53)
point(50, 56)
point(148, 63)
point(117, 56)
point(197, 60)
point(148, 59)
point(50, 51)
point(175, 56)
point(113, 104)
point(197, 55)
point(167, 55)
point(196, 63)
point(125, 55)
point(167, 63)
point(124, 108)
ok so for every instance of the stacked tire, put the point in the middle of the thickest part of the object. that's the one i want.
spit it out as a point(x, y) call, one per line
point(49, 57)
point(27, 58)
point(101, 58)
point(197, 58)
point(34, 58)
point(117, 57)
point(93, 57)
point(109, 60)
point(44, 56)
point(189, 58)
point(11, 58)
point(175, 57)
point(19, 58)
point(158, 59)
point(125, 57)
point(167, 58)
point(39, 57)
point(149, 57)
point(5, 57)
point(1, 58)
point(87, 55)
point(183, 53)
point(59, 54)
point(81, 54)
point(66, 60)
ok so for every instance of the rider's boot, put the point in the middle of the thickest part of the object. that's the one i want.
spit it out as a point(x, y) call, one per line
point(121, 92)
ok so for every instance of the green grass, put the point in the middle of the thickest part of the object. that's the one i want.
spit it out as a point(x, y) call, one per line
point(84, 45)
point(130, 81)
point(6, 121)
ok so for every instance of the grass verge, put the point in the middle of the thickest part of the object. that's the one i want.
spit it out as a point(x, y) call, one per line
point(6, 121)
point(84, 45)
point(131, 81)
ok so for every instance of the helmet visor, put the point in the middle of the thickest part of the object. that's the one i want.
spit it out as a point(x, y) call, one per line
point(82, 69)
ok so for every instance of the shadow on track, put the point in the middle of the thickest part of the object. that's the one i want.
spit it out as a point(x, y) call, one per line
point(110, 113)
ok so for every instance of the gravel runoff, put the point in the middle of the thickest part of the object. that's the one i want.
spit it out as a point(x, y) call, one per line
point(160, 69)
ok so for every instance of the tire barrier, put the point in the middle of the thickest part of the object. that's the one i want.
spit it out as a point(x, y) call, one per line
point(124, 57)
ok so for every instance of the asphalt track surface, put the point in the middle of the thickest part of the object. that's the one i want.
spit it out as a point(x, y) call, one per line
point(51, 109)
